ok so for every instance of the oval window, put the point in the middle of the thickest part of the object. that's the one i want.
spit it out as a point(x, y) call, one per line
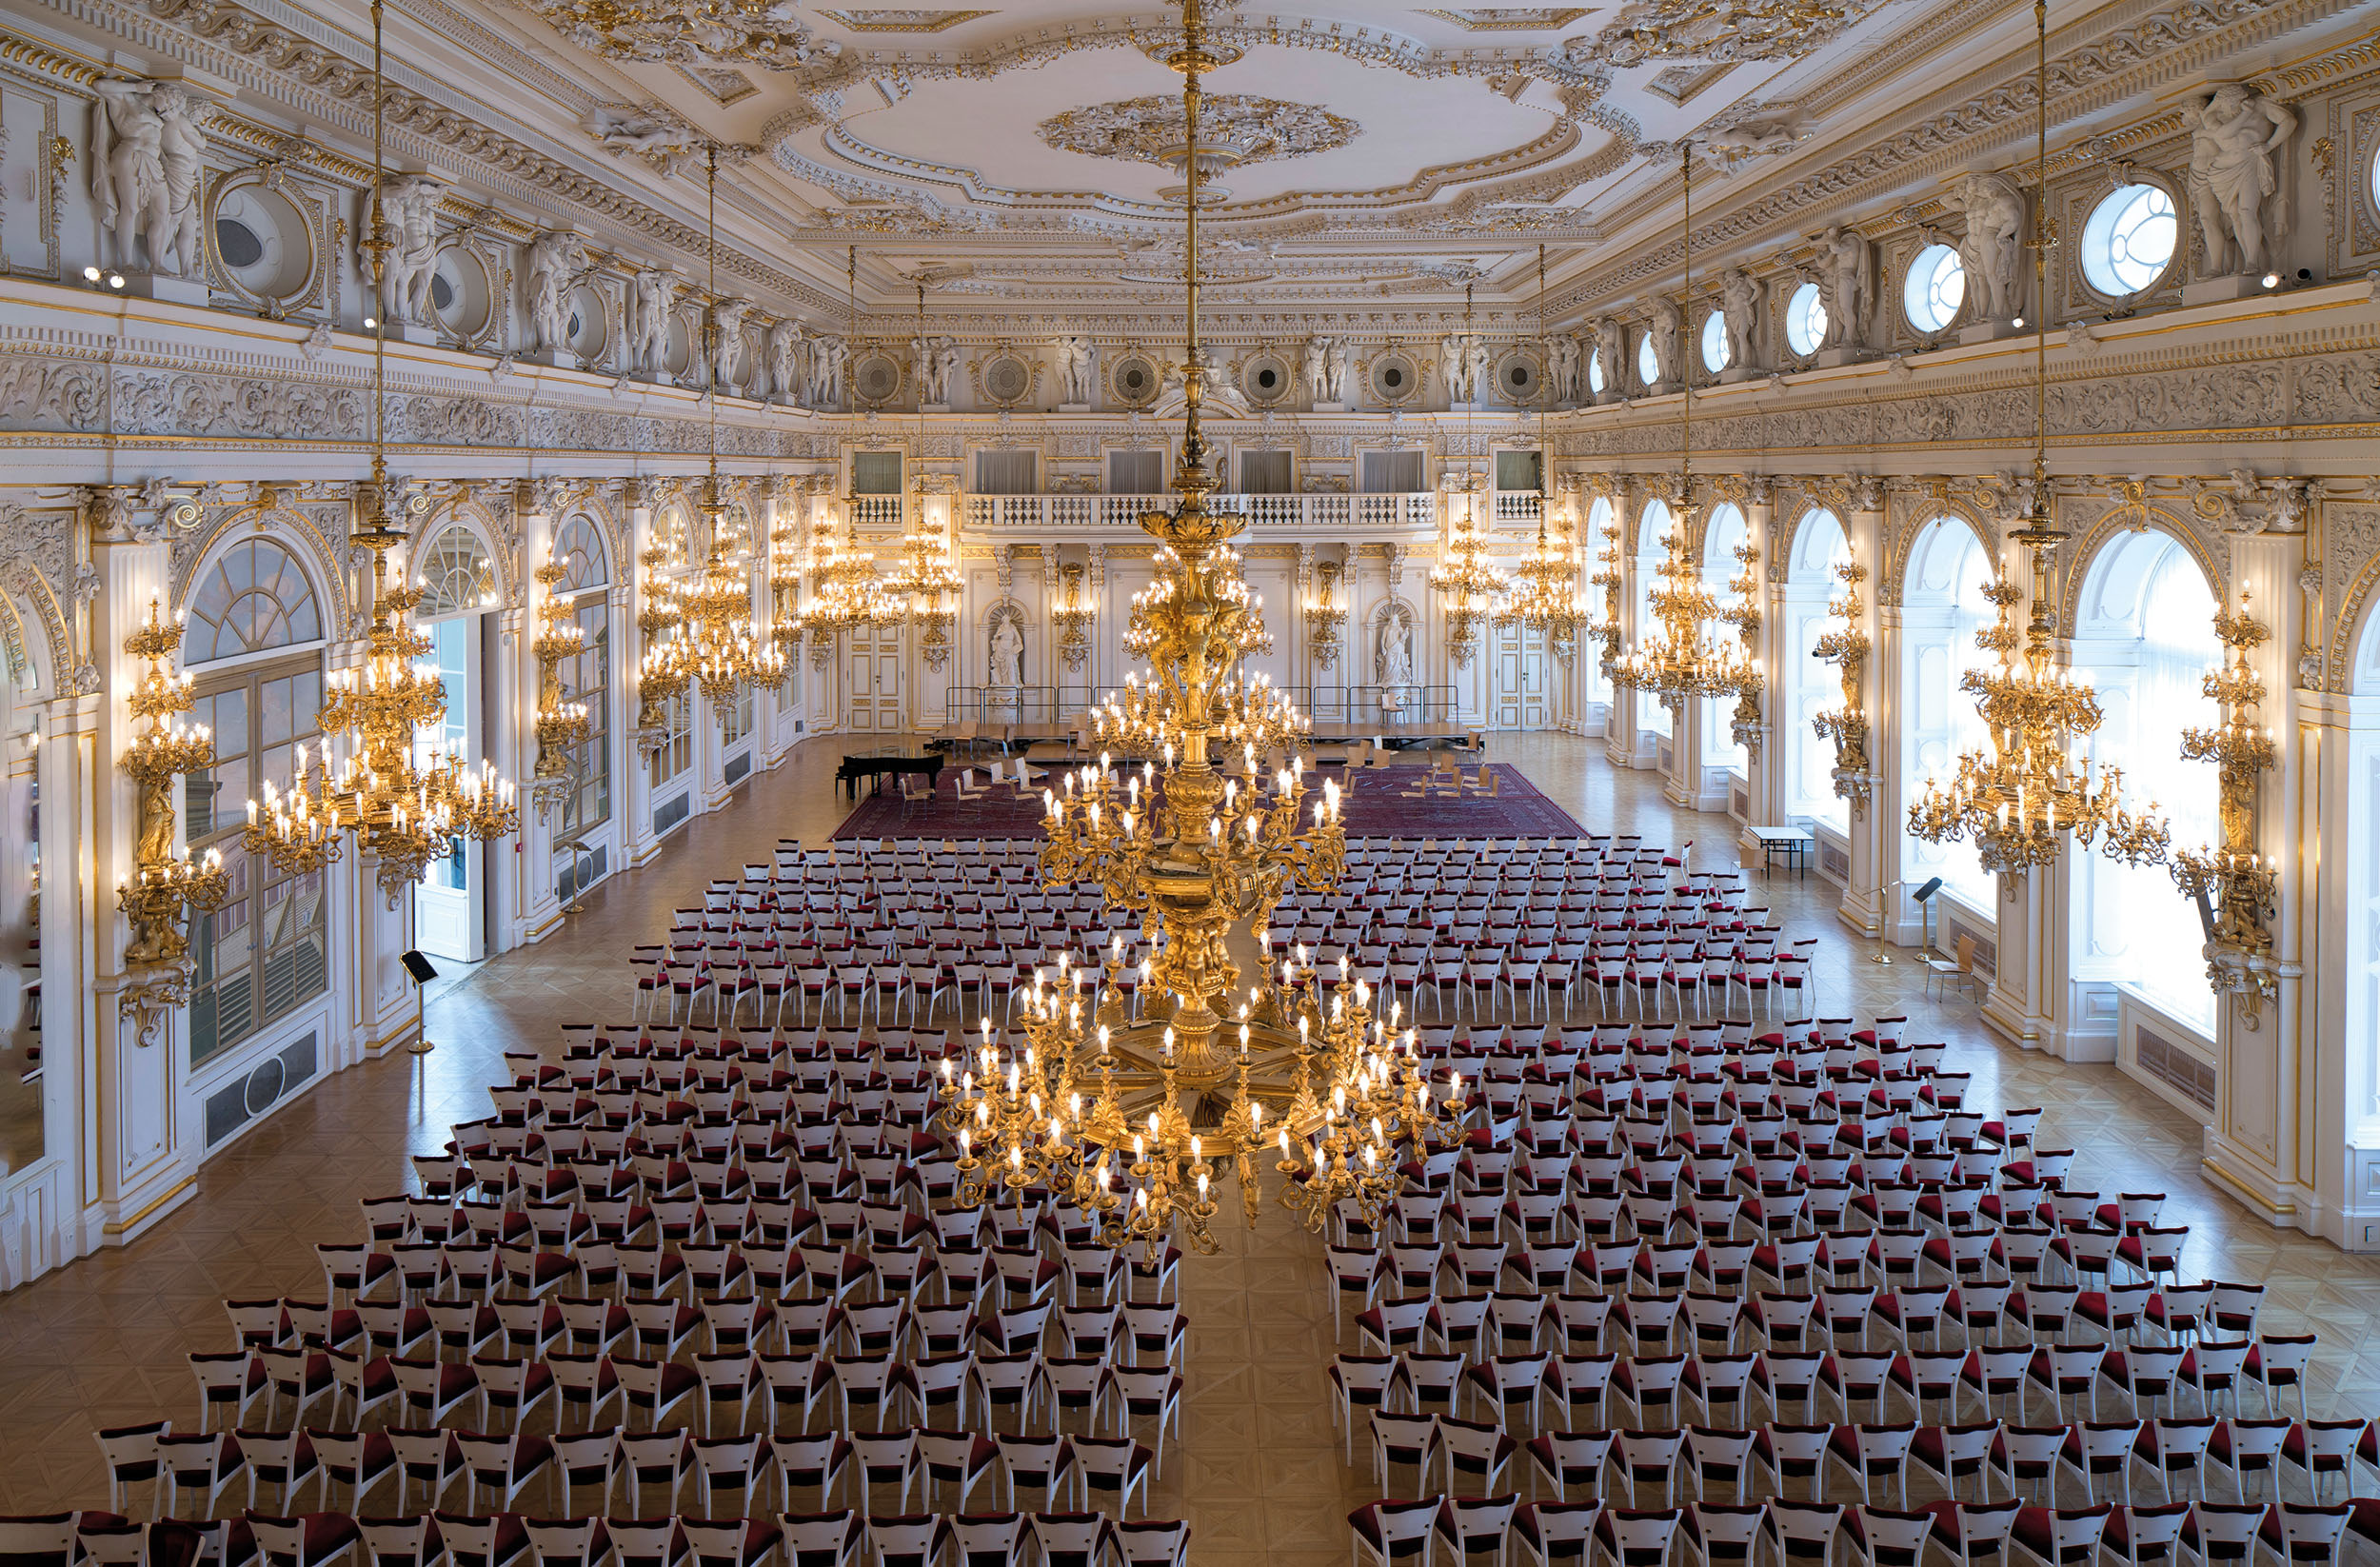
point(1937, 288)
point(1805, 319)
point(2130, 239)
point(1648, 362)
point(1594, 372)
point(1715, 348)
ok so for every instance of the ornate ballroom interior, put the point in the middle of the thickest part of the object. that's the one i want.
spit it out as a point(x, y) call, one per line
point(1081, 784)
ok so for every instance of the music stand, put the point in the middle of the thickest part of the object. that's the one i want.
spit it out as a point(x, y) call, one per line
point(418, 968)
point(1924, 897)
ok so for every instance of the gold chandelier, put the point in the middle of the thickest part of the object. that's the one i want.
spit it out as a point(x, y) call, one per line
point(2018, 796)
point(788, 623)
point(1682, 661)
point(1607, 577)
point(403, 810)
point(2242, 885)
point(1471, 593)
point(1546, 597)
point(164, 883)
point(1142, 1123)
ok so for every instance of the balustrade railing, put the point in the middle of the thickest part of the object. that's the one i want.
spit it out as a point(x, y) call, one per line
point(993, 513)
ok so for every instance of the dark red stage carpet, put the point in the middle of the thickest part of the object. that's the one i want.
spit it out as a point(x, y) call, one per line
point(1377, 807)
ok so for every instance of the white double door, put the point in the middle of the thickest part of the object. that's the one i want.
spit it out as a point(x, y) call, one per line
point(1519, 696)
point(873, 698)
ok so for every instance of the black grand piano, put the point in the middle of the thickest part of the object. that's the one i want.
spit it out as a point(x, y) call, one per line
point(927, 760)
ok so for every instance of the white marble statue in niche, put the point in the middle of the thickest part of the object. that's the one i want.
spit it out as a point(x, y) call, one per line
point(149, 146)
point(788, 361)
point(1611, 350)
point(555, 261)
point(946, 361)
point(2235, 138)
point(1562, 366)
point(1006, 665)
point(1668, 327)
point(1335, 370)
point(1391, 653)
point(1994, 244)
point(410, 202)
point(830, 357)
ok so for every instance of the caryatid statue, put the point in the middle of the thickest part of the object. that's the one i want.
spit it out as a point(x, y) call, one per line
point(149, 146)
point(2235, 138)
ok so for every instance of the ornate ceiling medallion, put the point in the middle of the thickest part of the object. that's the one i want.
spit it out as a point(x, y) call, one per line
point(1234, 130)
point(761, 33)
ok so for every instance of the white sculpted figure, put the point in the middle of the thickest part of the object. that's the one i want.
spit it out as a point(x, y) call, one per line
point(1993, 243)
point(1454, 368)
point(829, 358)
point(555, 261)
point(1611, 350)
point(1668, 331)
point(1561, 368)
point(1850, 284)
point(648, 328)
point(727, 318)
point(410, 202)
point(1392, 656)
point(1318, 376)
point(946, 359)
point(1075, 360)
point(2233, 139)
point(1335, 371)
point(922, 368)
point(1475, 367)
point(788, 351)
point(1008, 666)
point(1739, 303)
point(148, 143)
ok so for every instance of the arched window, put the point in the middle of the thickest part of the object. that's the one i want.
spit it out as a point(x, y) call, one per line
point(1591, 540)
point(580, 597)
point(1805, 687)
point(2145, 640)
point(1651, 527)
point(266, 952)
point(1726, 530)
point(1942, 607)
point(251, 601)
point(457, 578)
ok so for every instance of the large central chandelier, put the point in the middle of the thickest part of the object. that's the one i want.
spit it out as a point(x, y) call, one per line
point(1546, 596)
point(1683, 660)
point(2018, 795)
point(1470, 592)
point(1142, 1123)
point(401, 803)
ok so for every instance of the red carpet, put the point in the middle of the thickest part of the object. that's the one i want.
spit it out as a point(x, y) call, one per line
point(1377, 808)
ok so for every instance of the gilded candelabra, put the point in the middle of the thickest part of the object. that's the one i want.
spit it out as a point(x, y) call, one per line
point(1607, 577)
point(1847, 647)
point(1744, 615)
point(562, 723)
point(2243, 886)
point(165, 884)
point(1072, 616)
point(1326, 617)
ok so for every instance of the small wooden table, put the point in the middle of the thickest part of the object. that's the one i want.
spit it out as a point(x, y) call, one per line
point(1792, 843)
